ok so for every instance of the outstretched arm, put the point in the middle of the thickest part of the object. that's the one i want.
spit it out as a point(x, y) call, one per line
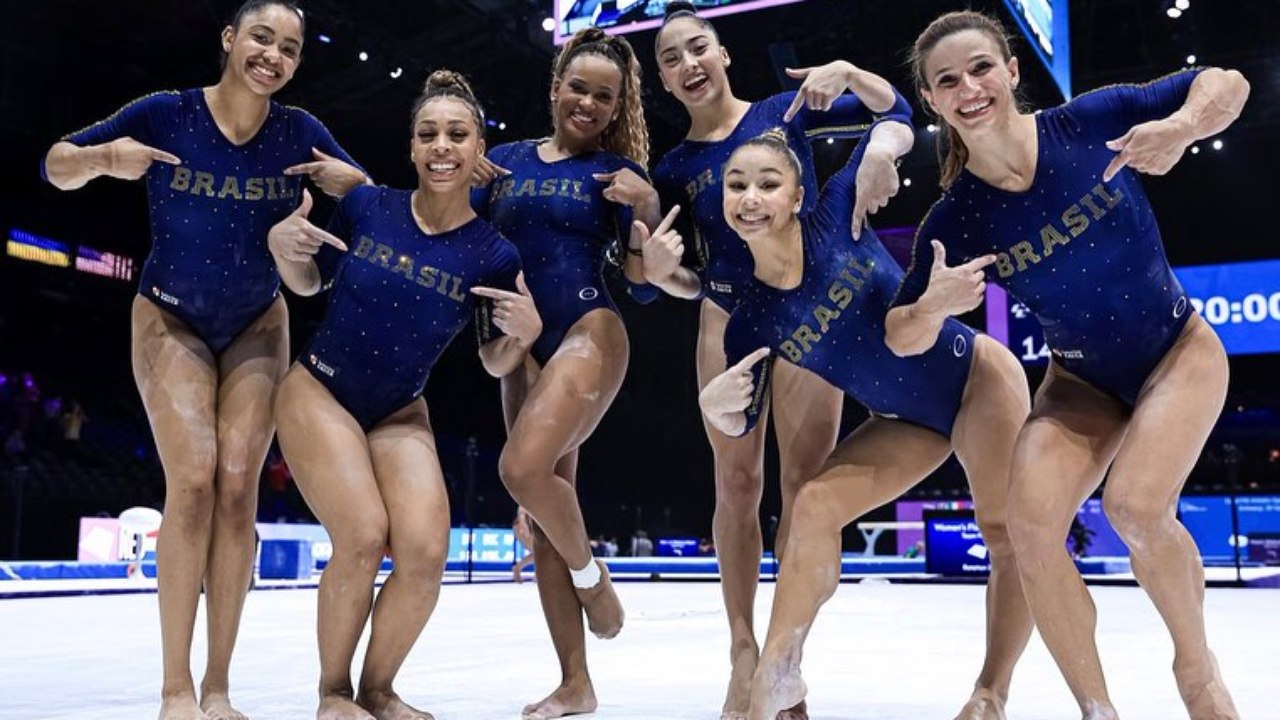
point(1214, 100)
point(824, 83)
point(69, 166)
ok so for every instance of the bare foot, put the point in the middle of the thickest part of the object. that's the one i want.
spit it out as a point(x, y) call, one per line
point(983, 705)
point(604, 610)
point(516, 575)
point(340, 707)
point(564, 700)
point(799, 711)
point(1097, 711)
point(738, 696)
point(217, 706)
point(1203, 691)
point(389, 706)
point(182, 706)
point(776, 687)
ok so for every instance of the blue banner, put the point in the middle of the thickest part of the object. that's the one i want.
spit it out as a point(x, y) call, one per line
point(1240, 300)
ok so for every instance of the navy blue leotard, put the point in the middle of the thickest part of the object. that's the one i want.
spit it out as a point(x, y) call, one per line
point(398, 296)
point(832, 324)
point(556, 216)
point(209, 264)
point(690, 175)
point(1085, 256)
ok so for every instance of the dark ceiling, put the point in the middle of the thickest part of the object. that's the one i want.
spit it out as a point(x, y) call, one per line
point(69, 62)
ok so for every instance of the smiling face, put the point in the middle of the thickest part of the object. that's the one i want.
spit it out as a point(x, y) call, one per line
point(762, 191)
point(263, 52)
point(692, 62)
point(970, 84)
point(446, 145)
point(587, 98)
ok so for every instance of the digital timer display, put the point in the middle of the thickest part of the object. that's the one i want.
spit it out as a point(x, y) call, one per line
point(1240, 300)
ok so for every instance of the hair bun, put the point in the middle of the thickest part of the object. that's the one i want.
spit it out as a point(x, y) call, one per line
point(775, 134)
point(448, 79)
point(679, 6)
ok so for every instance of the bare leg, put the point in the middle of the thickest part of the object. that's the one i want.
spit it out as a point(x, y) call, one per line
point(1060, 457)
point(739, 478)
point(560, 605)
point(806, 412)
point(407, 468)
point(177, 378)
point(329, 455)
point(1171, 421)
point(875, 464)
point(994, 409)
point(251, 368)
point(806, 416)
point(562, 409)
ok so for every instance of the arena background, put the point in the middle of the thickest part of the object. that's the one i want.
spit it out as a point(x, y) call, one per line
point(64, 64)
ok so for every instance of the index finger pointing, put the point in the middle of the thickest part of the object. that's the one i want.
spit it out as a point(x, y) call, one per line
point(667, 221)
point(1117, 163)
point(164, 157)
point(303, 168)
point(747, 362)
point(605, 177)
point(328, 238)
point(978, 263)
point(493, 293)
point(859, 216)
point(796, 104)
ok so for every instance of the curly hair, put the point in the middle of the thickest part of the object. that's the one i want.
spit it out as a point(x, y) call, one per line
point(447, 83)
point(628, 135)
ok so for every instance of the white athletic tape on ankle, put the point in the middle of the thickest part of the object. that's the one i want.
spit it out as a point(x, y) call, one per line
point(586, 578)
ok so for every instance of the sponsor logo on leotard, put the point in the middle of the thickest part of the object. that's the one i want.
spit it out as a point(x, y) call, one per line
point(721, 287)
point(164, 297)
point(588, 293)
point(960, 345)
point(1069, 354)
point(321, 366)
point(1180, 307)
